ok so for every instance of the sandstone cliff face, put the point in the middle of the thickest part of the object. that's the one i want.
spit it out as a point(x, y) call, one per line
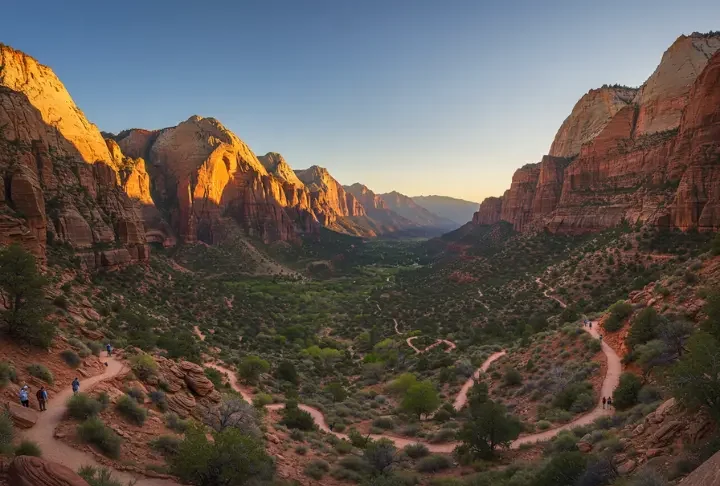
point(664, 95)
point(61, 182)
point(588, 118)
point(328, 199)
point(655, 161)
point(205, 174)
point(490, 211)
point(277, 166)
point(697, 201)
point(387, 220)
point(517, 207)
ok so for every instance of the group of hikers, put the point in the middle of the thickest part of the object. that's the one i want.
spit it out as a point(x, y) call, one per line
point(42, 394)
point(607, 402)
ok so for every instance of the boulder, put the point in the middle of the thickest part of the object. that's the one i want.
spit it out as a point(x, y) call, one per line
point(22, 417)
point(195, 379)
point(627, 467)
point(584, 446)
point(664, 434)
point(708, 474)
point(181, 403)
point(35, 471)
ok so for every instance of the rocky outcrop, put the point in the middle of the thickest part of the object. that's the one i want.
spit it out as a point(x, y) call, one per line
point(589, 117)
point(663, 96)
point(277, 166)
point(195, 379)
point(22, 417)
point(61, 182)
point(708, 474)
point(648, 164)
point(386, 220)
point(490, 211)
point(517, 207)
point(549, 186)
point(35, 471)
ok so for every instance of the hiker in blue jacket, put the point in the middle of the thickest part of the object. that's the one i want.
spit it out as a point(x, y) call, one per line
point(24, 398)
point(75, 385)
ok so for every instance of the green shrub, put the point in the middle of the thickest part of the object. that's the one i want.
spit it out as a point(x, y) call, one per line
point(294, 418)
point(71, 358)
point(94, 432)
point(61, 301)
point(626, 394)
point(434, 463)
point(230, 458)
point(543, 425)
point(354, 463)
point(143, 365)
point(159, 399)
point(7, 432)
point(28, 448)
point(80, 347)
point(262, 399)
point(137, 394)
point(99, 476)
point(167, 445)
point(416, 451)
point(41, 372)
point(343, 447)
point(316, 469)
point(82, 406)
point(174, 422)
point(512, 377)
point(129, 408)
point(384, 423)
point(95, 347)
point(7, 373)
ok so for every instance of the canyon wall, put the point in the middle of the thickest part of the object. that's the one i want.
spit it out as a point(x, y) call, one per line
point(649, 159)
point(62, 184)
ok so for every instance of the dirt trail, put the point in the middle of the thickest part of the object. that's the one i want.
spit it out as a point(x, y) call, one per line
point(550, 289)
point(610, 382)
point(451, 345)
point(56, 451)
point(319, 417)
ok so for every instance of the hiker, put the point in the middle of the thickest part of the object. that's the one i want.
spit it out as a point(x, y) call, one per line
point(331, 426)
point(600, 337)
point(75, 385)
point(24, 398)
point(590, 324)
point(109, 348)
point(604, 401)
point(609, 402)
point(42, 397)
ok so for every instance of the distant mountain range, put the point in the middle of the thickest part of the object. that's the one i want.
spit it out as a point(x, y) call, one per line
point(459, 211)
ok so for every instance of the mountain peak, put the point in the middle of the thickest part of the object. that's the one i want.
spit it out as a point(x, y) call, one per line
point(278, 166)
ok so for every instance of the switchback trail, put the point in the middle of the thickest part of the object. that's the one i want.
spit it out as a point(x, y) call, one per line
point(451, 345)
point(43, 432)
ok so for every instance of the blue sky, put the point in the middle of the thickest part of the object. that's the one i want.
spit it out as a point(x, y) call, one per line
point(424, 97)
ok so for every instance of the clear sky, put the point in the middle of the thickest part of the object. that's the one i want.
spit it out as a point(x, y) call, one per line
point(424, 97)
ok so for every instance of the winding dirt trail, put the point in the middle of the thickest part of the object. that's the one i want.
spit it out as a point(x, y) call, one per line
point(550, 289)
point(451, 345)
point(57, 451)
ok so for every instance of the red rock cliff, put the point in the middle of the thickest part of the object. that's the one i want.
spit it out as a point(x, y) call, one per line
point(490, 211)
point(517, 207)
point(61, 182)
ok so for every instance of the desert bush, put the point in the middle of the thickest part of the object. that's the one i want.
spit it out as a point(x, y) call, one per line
point(137, 394)
point(434, 463)
point(41, 372)
point(174, 422)
point(7, 431)
point(316, 469)
point(7, 373)
point(80, 347)
point(95, 347)
point(512, 377)
point(416, 451)
point(71, 358)
point(158, 398)
point(129, 408)
point(626, 394)
point(294, 418)
point(28, 448)
point(98, 476)
point(94, 431)
point(82, 406)
point(167, 445)
point(384, 423)
point(143, 365)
